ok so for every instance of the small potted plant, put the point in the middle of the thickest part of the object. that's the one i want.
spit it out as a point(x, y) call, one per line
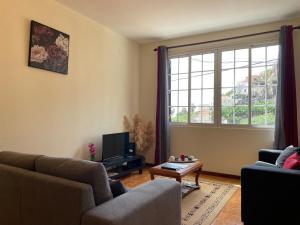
point(92, 149)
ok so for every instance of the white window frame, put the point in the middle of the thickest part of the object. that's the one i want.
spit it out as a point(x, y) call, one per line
point(217, 82)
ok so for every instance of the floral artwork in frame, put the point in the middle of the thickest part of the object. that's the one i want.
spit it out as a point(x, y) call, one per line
point(49, 48)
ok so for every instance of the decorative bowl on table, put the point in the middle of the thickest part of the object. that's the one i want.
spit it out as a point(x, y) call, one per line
point(187, 159)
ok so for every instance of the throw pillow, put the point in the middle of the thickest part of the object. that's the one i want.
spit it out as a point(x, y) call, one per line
point(293, 162)
point(287, 152)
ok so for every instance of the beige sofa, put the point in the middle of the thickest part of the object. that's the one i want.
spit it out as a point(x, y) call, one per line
point(40, 190)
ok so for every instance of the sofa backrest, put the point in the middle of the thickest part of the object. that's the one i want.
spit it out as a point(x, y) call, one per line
point(31, 198)
point(78, 170)
point(21, 160)
point(84, 171)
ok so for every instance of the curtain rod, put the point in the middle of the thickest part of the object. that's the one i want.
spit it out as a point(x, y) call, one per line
point(225, 39)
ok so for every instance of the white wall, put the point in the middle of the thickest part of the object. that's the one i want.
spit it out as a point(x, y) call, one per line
point(222, 150)
point(48, 113)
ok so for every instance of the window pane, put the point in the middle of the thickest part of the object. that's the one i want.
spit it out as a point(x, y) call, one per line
point(196, 63)
point(183, 98)
point(241, 114)
point(228, 78)
point(182, 114)
point(202, 115)
point(241, 58)
point(227, 97)
point(183, 82)
point(207, 114)
point(173, 116)
point(227, 115)
point(174, 66)
point(196, 82)
point(208, 97)
point(258, 76)
point(241, 96)
point(272, 54)
point(196, 98)
point(258, 56)
point(208, 62)
point(184, 65)
point(271, 95)
point(228, 60)
point(271, 114)
point(258, 115)
point(272, 76)
point(258, 95)
point(241, 77)
point(208, 80)
point(174, 82)
point(195, 114)
point(174, 98)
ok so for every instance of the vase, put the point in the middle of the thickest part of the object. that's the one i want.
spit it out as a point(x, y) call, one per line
point(92, 157)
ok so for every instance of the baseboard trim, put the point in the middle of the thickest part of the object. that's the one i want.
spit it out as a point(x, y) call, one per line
point(220, 174)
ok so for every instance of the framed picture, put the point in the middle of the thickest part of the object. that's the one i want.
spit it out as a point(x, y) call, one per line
point(48, 48)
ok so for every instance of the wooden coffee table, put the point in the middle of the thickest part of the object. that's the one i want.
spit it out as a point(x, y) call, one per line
point(195, 167)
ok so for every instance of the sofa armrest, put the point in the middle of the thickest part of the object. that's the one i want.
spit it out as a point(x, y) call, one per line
point(268, 155)
point(268, 194)
point(157, 202)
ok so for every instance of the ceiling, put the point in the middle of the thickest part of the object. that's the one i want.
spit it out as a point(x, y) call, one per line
point(152, 20)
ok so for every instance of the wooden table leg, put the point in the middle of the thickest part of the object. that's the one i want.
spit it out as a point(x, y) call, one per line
point(197, 178)
point(152, 176)
point(178, 179)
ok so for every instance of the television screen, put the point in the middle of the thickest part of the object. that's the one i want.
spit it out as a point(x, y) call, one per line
point(115, 145)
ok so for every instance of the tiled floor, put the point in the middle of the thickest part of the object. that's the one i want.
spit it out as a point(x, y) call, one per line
point(230, 214)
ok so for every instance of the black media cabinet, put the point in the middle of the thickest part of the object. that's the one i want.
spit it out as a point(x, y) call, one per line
point(122, 166)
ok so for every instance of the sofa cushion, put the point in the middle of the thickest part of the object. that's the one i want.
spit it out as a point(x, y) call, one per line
point(21, 160)
point(292, 162)
point(287, 152)
point(88, 172)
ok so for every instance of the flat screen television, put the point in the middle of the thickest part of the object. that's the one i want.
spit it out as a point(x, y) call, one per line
point(114, 145)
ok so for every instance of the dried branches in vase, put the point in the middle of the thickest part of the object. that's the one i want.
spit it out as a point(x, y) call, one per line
point(140, 133)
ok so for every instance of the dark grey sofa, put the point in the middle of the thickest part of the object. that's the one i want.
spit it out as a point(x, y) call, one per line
point(270, 195)
point(39, 190)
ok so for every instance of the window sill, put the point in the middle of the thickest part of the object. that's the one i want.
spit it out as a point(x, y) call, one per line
point(223, 126)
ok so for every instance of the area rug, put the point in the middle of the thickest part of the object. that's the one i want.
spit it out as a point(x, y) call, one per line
point(201, 207)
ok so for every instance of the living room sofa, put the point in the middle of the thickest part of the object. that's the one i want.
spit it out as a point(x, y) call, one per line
point(40, 190)
point(270, 194)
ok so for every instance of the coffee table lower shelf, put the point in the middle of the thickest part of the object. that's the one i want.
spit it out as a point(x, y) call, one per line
point(187, 188)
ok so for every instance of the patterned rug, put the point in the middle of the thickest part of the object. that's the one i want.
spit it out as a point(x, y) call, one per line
point(200, 207)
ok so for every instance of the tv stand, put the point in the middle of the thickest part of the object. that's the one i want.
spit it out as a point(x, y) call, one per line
point(118, 167)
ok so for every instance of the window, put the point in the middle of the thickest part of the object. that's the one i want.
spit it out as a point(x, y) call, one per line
point(202, 88)
point(264, 84)
point(234, 86)
point(179, 89)
point(238, 89)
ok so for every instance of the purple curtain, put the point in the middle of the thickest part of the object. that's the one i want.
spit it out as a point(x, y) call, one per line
point(286, 127)
point(162, 146)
